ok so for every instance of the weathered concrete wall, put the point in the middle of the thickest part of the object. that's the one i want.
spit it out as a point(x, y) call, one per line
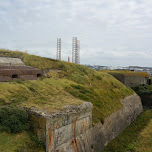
point(10, 61)
point(135, 80)
point(131, 80)
point(118, 76)
point(71, 129)
point(102, 134)
point(13, 73)
point(62, 127)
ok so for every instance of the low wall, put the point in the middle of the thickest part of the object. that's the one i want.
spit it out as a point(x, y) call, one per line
point(71, 130)
point(55, 130)
point(102, 134)
point(131, 80)
point(135, 80)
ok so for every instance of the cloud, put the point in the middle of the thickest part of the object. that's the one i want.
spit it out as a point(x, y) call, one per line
point(111, 32)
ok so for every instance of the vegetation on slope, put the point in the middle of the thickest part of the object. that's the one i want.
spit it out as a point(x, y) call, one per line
point(144, 140)
point(46, 94)
point(126, 72)
point(145, 92)
point(68, 83)
point(13, 119)
point(134, 136)
point(20, 142)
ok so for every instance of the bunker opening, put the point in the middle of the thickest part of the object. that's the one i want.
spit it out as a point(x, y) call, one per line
point(14, 76)
point(39, 75)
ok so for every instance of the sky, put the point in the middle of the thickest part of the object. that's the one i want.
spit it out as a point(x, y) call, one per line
point(111, 32)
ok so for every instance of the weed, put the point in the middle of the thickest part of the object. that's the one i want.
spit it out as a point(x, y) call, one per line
point(13, 119)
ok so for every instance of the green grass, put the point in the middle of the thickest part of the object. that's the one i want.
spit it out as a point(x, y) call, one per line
point(21, 142)
point(134, 135)
point(67, 83)
point(126, 72)
point(46, 94)
point(144, 140)
point(145, 92)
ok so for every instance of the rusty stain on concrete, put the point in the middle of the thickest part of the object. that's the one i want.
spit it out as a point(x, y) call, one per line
point(74, 140)
point(49, 134)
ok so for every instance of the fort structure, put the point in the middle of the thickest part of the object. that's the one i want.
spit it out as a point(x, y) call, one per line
point(132, 79)
point(14, 69)
point(70, 130)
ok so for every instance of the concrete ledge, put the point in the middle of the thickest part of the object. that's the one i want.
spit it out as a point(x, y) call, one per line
point(10, 61)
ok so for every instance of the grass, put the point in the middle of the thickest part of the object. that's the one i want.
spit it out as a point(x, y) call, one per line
point(126, 72)
point(130, 140)
point(145, 92)
point(66, 83)
point(21, 142)
point(144, 141)
point(46, 94)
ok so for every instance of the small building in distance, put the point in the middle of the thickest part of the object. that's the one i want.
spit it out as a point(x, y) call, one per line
point(130, 78)
point(12, 69)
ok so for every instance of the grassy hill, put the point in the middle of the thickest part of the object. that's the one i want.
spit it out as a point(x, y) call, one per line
point(66, 83)
point(21, 142)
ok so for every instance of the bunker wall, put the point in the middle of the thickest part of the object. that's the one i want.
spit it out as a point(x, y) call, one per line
point(71, 129)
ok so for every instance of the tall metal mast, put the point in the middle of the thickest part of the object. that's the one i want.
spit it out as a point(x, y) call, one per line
point(75, 50)
point(77, 54)
point(58, 53)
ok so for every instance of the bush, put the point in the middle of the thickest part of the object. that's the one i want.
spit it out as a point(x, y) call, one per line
point(13, 119)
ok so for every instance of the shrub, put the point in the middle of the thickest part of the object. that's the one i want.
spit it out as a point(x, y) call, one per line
point(13, 119)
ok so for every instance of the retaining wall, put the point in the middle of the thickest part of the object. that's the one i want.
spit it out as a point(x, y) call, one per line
point(131, 80)
point(71, 130)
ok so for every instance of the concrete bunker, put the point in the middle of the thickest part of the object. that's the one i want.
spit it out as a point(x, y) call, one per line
point(14, 76)
point(39, 75)
point(132, 79)
point(14, 69)
point(11, 73)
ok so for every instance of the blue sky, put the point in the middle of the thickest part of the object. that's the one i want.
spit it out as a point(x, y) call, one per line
point(111, 32)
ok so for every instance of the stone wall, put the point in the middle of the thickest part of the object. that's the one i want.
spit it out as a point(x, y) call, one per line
point(131, 80)
point(135, 80)
point(71, 130)
point(61, 127)
point(102, 134)
point(13, 73)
